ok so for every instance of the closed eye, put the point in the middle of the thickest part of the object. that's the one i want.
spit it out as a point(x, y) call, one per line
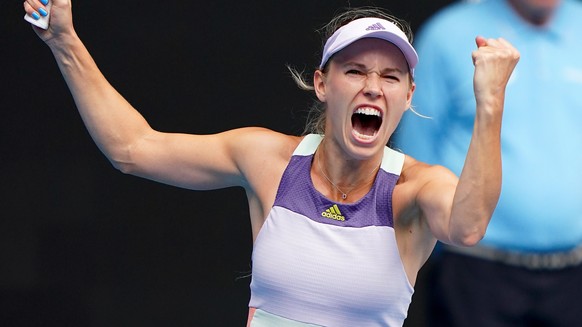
point(391, 77)
point(355, 72)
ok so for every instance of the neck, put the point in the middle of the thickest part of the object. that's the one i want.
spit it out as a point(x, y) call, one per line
point(536, 13)
point(344, 180)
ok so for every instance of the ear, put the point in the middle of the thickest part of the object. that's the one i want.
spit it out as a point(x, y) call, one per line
point(409, 95)
point(319, 85)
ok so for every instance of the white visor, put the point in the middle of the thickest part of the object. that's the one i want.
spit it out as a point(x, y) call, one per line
point(369, 27)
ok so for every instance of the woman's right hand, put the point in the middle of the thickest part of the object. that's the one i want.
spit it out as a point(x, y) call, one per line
point(60, 22)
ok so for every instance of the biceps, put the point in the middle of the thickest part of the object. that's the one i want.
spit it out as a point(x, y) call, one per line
point(435, 201)
point(190, 161)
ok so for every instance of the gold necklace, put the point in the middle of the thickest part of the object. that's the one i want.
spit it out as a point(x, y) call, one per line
point(353, 187)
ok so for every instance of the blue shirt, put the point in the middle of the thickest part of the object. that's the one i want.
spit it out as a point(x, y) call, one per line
point(540, 208)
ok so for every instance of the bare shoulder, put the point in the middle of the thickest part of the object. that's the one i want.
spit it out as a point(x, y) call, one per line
point(418, 178)
point(417, 173)
point(267, 144)
point(261, 154)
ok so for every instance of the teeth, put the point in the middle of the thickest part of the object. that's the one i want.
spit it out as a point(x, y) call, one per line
point(368, 111)
point(364, 136)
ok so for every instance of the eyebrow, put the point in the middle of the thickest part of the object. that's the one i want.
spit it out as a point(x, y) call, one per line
point(363, 67)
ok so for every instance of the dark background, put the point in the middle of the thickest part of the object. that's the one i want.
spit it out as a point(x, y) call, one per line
point(82, 244)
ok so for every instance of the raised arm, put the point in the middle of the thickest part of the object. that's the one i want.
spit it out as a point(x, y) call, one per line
point(121, 132)
point(475, 196)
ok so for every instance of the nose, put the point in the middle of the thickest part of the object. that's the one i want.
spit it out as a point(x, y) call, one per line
point(373, 85)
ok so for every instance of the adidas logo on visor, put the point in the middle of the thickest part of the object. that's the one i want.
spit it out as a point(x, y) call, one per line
point(375, 27)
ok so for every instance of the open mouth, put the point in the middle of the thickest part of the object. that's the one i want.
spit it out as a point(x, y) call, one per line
point(366, 122)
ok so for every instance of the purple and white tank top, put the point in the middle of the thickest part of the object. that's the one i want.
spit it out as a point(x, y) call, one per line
point(323, 263)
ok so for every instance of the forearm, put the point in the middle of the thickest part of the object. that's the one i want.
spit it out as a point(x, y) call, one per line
point(479, 185)
point(113, 123)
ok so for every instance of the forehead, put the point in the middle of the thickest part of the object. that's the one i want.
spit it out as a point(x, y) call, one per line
point(372, 51)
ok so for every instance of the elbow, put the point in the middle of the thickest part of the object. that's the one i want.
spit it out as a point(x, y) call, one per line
point(468, 238)
point(134, 156)
point(122, 166)
point(470, 229)
point(471, 240)
point(123, 160)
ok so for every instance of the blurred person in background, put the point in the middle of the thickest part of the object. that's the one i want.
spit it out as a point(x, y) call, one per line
point(527, 270)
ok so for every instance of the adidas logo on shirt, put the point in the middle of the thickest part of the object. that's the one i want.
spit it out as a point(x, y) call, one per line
point(375, 27)
point(333, 213)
